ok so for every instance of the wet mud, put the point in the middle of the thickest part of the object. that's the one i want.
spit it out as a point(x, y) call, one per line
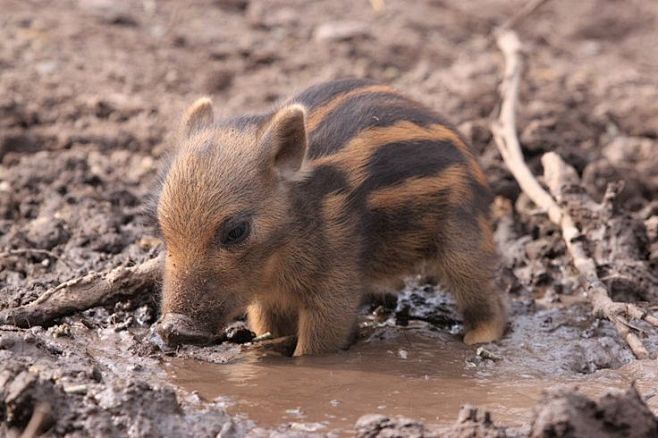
point(416, 371)
point(90, 93)
point(411, 372)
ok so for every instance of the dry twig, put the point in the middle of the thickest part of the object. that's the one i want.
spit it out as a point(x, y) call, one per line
point(41, 416)
point(527, 9)
point(557, 175)
point(504, 129)
point(94, 289)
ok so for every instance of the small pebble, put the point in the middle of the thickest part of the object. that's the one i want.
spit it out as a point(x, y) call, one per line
point(340, 31)
point(297, 412)
point(76, 389)
point(486, 354)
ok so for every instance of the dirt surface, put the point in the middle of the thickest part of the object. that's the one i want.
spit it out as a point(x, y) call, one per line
point(561, 412)
point(90, 94)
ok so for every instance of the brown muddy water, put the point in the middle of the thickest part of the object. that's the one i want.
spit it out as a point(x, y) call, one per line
point(409, 372)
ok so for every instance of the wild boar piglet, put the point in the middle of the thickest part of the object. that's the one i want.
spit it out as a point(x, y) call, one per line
point(292, 216)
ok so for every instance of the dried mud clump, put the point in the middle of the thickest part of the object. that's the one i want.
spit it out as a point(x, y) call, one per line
point(373, 425)
point(569, 413)
point(67, 393)
point(562, 413)
point(470, 423)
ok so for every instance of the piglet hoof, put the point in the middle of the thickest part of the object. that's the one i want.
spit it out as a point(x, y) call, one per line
point(485, 332)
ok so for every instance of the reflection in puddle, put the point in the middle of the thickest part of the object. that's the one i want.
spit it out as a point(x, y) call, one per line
point(420, 375)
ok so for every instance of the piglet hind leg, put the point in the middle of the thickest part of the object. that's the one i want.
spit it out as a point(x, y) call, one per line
point(467, 268)
point(327, 325)
point(484, 316)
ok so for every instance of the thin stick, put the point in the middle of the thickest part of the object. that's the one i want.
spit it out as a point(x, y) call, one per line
point(40, 417)
point(504, 129)
point(94, 289)
point(557, 173)
point(522, 13)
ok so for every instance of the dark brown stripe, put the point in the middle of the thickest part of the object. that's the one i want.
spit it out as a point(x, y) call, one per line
point(360, 112)
point(318, 114)
point(401, 235)
point(396, 162)
point(320, 94)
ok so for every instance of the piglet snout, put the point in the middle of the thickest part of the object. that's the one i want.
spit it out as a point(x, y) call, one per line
point(177, 329)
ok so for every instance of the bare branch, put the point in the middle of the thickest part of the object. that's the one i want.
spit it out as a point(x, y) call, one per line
point(41, 416)
point(527, 9)
point(557, 174)
point(504, 129)
point(94, 289)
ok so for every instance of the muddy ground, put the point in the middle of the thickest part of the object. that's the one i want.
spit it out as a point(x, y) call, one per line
point(90, 91)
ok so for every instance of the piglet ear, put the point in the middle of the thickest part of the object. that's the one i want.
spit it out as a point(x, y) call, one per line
point(199, 116)
point(284, 140)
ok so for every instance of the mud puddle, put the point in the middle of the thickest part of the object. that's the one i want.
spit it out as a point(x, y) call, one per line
point(413, 373)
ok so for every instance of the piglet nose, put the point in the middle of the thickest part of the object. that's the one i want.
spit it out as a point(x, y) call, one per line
point(177, 329)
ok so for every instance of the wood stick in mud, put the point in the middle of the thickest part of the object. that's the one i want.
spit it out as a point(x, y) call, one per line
point(557, 175)
point(41, 416)
point(504, 129)
point(94, 289)
point(527, 9)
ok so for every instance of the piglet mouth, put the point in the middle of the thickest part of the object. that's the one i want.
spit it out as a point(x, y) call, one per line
point(176, 329)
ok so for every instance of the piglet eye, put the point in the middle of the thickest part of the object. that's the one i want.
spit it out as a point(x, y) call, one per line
point(235, 234)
